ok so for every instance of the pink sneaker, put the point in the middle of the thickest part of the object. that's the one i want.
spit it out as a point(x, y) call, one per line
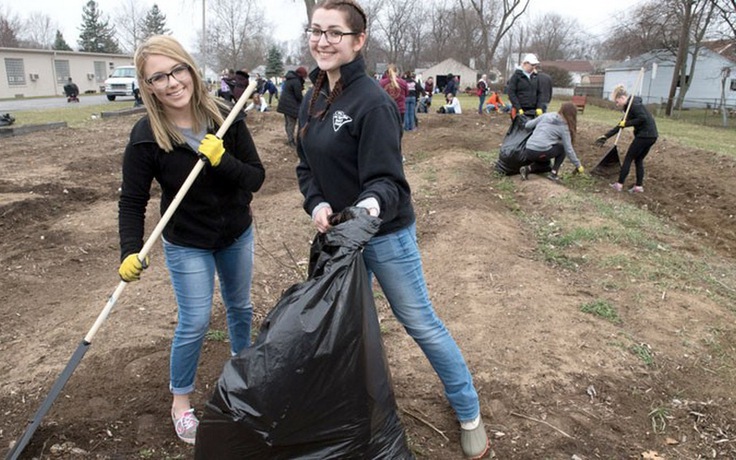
point(186, 426)
point(616, 186)
point(636, 189)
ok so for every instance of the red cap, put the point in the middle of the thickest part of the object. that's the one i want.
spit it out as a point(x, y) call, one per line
point(301, 71)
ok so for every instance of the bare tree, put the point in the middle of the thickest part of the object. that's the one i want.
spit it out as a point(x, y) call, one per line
point(648, 27)
point(496, 19)
point(128, 18)
point(39, 30)
point(10, 27)
point(235, 34)
point(694, 17)
point(557, 38)
point(394, 27)
point(727, 12)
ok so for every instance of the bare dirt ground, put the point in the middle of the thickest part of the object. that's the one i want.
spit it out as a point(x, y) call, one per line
point(554, 382)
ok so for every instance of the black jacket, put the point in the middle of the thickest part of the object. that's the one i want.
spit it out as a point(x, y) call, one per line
point(353, 152)
point(291, 96)
point(544, 82)
point(523, 91)
point(214, 212)
point(640, 118)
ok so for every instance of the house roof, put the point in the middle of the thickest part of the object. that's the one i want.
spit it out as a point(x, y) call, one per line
point(579, 66)
point(658, 56)
point(724, 48)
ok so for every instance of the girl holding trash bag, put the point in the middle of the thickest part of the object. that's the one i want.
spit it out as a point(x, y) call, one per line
point(211, 229)
point(349, 149)
point(645, 135)
point(552, 139)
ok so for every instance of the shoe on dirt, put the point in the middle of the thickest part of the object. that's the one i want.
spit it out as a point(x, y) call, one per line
point(636, 189)
point(473, 439)
point(186, 426)
point(553, 177)
point(524, 171)
point(616, 186)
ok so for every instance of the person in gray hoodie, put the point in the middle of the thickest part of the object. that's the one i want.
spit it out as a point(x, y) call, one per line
point(552, 139)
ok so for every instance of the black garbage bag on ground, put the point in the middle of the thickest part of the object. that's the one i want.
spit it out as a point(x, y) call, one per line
point(315, 384)
point(513, 145)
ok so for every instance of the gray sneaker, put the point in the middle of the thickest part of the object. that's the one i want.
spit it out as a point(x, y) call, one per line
point(524, 171)
point(474, 442)
point(186, 426)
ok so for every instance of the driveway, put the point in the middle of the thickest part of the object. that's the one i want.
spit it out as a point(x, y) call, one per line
point(14, 105)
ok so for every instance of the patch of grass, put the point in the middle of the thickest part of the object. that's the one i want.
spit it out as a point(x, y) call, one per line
point(486, 156)
point(74, 115)
point(658, 417)
point(602, 309)
point(216, 335)
point(643, 352)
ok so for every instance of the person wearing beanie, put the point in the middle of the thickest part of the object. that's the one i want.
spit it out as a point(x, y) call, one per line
point(290, 100)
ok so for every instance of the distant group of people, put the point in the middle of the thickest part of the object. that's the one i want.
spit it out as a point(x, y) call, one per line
point(552, 135)
point(233, 84)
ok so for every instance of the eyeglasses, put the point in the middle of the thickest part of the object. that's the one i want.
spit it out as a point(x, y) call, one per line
point(333, 37)
point(160, 80)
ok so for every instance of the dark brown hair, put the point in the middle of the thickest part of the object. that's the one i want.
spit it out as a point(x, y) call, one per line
point(569, 113)
point(357, 22)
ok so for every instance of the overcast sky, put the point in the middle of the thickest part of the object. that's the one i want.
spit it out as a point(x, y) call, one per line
point(184, 17)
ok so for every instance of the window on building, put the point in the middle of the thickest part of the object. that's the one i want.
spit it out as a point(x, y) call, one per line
point(16, 74)
point(733, 84)
point(100, 71)
point(62, 71)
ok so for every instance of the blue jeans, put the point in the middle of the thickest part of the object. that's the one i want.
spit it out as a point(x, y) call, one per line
point(395, 261)
point(481, 99)
point(411, 108)
point(192, 273)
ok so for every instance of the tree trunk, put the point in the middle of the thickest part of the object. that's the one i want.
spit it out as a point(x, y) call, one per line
point(681, 53)
point(309, 4)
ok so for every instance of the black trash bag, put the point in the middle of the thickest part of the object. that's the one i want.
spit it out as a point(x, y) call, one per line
point(6, 119)
point(512, 147)
point(315, 384)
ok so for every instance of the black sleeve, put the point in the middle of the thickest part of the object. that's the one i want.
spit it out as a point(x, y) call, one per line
point(139, 167)
point(242, 166)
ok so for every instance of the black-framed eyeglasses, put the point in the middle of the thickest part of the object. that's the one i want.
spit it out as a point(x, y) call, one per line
point(160, 80)
point(333, 37)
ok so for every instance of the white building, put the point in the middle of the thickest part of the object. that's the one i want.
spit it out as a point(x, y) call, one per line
point(705, 83)
point(33, 73)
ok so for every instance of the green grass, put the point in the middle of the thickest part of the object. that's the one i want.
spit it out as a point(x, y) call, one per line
point(74, 115)
point(216, 335)
point(643, 352)
point(602, 309)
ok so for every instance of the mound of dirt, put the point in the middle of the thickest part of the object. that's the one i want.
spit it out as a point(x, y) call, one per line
point(551, 384)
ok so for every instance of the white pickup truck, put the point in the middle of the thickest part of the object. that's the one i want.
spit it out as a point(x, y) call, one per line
point(122, 82)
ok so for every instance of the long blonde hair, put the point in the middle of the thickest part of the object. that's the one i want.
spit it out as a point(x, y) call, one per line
point(392, 72)
point(205, 109)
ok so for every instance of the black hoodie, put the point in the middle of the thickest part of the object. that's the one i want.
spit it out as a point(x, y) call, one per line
point(353, 152)
point(640, 118)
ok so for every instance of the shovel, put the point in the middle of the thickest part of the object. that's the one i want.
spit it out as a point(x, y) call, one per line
point(611, 163)
point(21, 444)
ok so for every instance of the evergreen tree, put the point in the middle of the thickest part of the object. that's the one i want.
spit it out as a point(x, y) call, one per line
point(154, 23)
point(8, 34)
point(274, 63)
point(59, 43)
point(97, 36)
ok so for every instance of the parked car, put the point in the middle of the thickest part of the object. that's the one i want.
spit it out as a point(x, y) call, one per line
point(122, 82)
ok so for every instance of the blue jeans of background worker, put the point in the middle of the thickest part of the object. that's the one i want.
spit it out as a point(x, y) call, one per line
point(410, 114)
point(481, 101)
point(395, 261)
point(192, 272)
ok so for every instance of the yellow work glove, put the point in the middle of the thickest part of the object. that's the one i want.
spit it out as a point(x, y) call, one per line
point(579, 170)
point(538, 112)
point(131, 268)
point(521, 112)
point(622, 124)
point(212, 148)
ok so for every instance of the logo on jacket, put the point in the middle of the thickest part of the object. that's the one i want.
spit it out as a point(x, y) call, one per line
point(340, 118)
